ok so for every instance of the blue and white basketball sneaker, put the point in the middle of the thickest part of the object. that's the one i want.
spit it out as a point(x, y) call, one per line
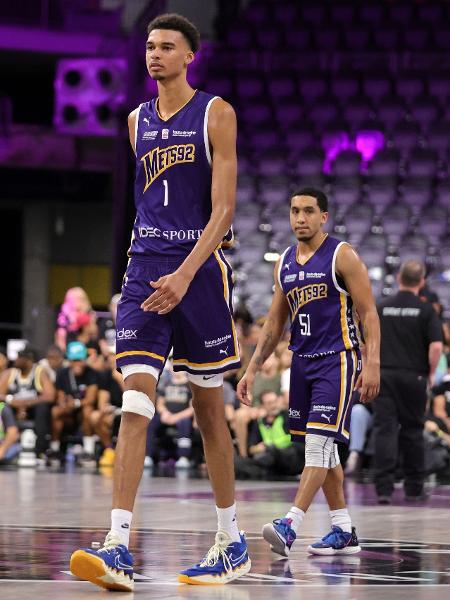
point(280, 535)
point(110, 567)
point(225, 561)
point(336, 542)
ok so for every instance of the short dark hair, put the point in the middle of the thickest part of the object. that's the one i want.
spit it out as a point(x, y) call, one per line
point(411, 273)
point(322, 200)
point(179, 23)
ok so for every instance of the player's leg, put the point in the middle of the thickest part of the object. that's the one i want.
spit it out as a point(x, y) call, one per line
point(228, 557)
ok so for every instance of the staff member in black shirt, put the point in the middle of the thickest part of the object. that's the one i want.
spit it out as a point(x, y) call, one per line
point(411, 345)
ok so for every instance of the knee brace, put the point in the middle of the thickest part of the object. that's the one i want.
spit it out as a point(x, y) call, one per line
point(334, 457)
point(206, 381)
point(138, 403)
point(318, 450)
point(128, 370)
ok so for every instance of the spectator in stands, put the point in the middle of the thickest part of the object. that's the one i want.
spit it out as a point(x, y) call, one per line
point(76, 318)
point(105, 419)
point(53, 361)
point(268, 379)
point(285, 371)
point(360, 425)
point(9, 434)
point(269, 442)
point(28, 390)
point(107, 328)
point(440, 406)
point(77, 394)
point(3, 359)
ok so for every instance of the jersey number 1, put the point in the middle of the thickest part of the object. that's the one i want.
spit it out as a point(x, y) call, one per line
point(305, 324)
point(166, 192)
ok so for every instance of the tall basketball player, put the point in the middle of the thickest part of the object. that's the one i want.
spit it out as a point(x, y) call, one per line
point(176, 293)
point(324, 287)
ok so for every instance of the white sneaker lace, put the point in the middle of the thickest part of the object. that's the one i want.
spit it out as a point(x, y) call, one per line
point(111, 541)
point(218, 550)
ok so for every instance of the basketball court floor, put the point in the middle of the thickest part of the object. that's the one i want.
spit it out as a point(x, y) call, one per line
point(45, 515)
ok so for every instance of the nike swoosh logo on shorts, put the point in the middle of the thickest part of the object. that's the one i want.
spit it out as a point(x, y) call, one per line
point(206, 378)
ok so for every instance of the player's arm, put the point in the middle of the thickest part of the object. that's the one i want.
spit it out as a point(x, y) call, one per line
point(132, 128)
point(222, 136)
point(269, 337)
point(354, 273)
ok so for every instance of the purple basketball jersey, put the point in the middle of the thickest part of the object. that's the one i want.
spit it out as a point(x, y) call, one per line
point(323, 320)
point(173, 178)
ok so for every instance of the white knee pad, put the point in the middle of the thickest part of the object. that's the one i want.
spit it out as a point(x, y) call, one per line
point(318, 450)
point(206, 381)
point(128, 370)
point(138, 403)
point(334, 457)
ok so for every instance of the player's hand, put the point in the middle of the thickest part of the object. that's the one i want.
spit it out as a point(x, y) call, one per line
point(169, 291)
point(244, 389)
point(368, 382)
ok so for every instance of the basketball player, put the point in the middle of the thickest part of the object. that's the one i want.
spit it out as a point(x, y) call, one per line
point(324, 287)
point(176, 292)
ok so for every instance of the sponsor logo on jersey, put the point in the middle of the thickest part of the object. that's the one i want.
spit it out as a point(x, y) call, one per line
point(218, 342)
point(315, 275)
point(323, 408)
point(159, 160)
point(180, 235)
point(187, 134)
point(165, 134)
point(299, 296)
point(127, 334)
point(287, 266)
point(290, 278)
point(301, 275)
point(149, 135)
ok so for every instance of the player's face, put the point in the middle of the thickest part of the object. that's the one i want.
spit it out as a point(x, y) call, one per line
point(167, 54)
point(306, 217)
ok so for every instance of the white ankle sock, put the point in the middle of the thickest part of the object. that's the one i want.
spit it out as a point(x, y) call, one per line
point(341, 518)
point(226, 520)
point(296, 515)
point(121, 524)
point(55, 445)
point(89, 444)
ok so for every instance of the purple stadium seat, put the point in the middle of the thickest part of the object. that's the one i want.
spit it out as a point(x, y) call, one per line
point(443, 194)
point(309, 163)
point(386, 37)
point(432, 227)
point(345, 192)
point(253, 115)
point(285, 14)
point(407, 253)
point(416, 38)
point(368, 142)
point(371, 12)
point(385, 163)
point(441, 37)
point(247, 218)
point(324, 110)
point(390, 111)
point(297, 39)
point(334, 140)
point(381, 193)
point(356, 37)
point(376, 86)
point(327, 38)
point(424, 110)
point(288, 115)
point(246, 189)
point(430, 13)
point(273, 190)
point(405, 136)
point(313, 13)
point(312, 87)
point(414, 240)
point(400, 13)
point(347, 164)
point(298, 139)
point(240, 37)
point(271, 163)
point(249, 87)
point(344, 87)
point(439, 137)
point(396, 222)
point(263, 139)
point(281, 88)
point(258, 13)
point(342, 13)
point(422, 163)
point(409, 87)
point(268, 38)
point(439, 86)
point(416, 193)
point(222, 86)
point(372, 257)
point(356, 111)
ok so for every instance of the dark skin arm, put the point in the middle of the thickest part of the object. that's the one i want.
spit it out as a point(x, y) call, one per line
point(270, 336)
point(170, 289)
point(354, 273)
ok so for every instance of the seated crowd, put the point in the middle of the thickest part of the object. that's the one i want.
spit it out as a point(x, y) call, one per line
point(72, 399)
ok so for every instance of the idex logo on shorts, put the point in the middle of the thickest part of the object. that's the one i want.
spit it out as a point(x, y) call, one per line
point(127, 334)
point(294, 414)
